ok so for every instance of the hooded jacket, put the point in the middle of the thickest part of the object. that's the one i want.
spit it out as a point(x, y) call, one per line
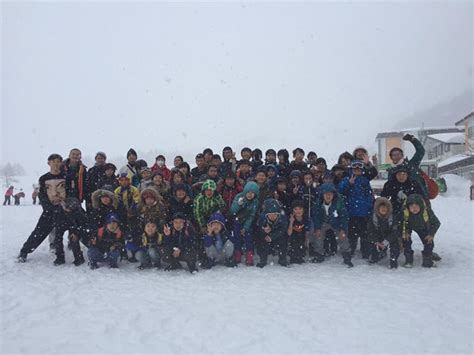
point(380, 228)
point(279, 227)
point(246, 213)
point(423, 223)
point(337, 216)
point(359, 196)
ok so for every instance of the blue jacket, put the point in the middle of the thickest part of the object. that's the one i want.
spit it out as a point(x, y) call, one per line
point(359, 196)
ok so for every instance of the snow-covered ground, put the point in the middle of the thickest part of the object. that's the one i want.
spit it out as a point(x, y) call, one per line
point(311, 308)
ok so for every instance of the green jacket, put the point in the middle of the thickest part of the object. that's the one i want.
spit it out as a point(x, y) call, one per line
point(424, 222)
point(247, 212)
point(204, 207)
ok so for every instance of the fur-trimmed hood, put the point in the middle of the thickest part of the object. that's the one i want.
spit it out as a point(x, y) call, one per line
point(152, 191)
point(96, 195)
point(383, 201)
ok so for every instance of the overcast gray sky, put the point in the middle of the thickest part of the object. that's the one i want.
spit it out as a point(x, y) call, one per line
point(178, 77)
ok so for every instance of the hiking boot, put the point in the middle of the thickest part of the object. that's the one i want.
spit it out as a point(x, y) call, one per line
point(93, 265)
point(22, 258)
point(230, 262)
point(435, 257)
point(427, 262)
point(393, 264)
point(238, 256)
point(249, 258)
point(318, 259)
point(283, 262)
point(79, 261)
point(261, 265)
point(59, 260)
point(347, 259)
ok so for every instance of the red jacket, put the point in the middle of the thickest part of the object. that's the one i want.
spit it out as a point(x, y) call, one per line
point(163, 170)
point(228, 194)
point(9, 192)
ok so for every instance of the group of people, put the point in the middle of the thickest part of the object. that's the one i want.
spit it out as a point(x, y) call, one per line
point(17, 196)
point(227, 211)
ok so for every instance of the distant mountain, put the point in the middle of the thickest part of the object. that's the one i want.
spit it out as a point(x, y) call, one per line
point(443, 114)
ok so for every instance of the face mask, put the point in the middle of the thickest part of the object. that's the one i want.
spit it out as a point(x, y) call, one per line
point(160, 163)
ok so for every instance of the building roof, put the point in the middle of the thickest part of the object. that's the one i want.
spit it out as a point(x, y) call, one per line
point(448, 138)
point(469, 116)
point(454, 162)
point(419, 130)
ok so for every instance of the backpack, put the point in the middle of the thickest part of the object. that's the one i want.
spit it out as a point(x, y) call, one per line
point(431, 185)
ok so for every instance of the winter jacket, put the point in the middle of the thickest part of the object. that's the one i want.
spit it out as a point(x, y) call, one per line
point(176, 206)
point(413, 167)
point(336, 216)
point(279, 228)
point(157, 211)
point(162, 170)
point(196, 174)
point(220, 239)
point(310, 196)
point(424, 223)
point(163, 189)
point(246, 213)
point(9, 192)
point(283, 169)
point(264, 192)
point(75, 180)
point(380, 228)
point(204, 207)
point(285, 201)
point(398, 192)
point(359, 196)
point(111, 181)
point(105, 239)
point(100, 211)
point(132, 174)
point(151, 241)
point(128, 197)
point(228, 194)
point(183, 239)
point(93, 179)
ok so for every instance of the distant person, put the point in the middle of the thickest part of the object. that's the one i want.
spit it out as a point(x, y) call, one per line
point(34, 194)
point(8, 195)
point(18, 196)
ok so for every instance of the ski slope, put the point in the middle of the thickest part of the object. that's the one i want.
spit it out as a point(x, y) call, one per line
point(324, 308)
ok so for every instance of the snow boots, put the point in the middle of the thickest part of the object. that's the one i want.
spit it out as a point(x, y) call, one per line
point(59, 260)
point(238, 256)
point(249, 258)
point(347, 259)
point(393, 264)
point(428, 261)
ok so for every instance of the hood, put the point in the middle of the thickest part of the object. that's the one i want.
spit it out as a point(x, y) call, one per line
point(270, 205)
point(217, 217)
point(327, 187)
point(152, 191)
point(209, 185)
point(251, 186)
point(96, 195)
point(359, 148)
point(383, 201)
point(416, 199)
